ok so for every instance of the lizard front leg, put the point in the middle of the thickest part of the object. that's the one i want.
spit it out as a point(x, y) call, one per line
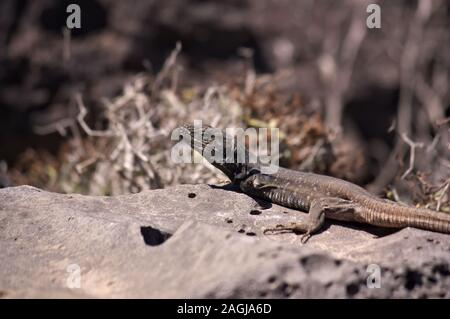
point(318, 211)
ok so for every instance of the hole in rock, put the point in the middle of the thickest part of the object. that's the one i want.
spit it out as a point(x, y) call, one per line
point(153, 236)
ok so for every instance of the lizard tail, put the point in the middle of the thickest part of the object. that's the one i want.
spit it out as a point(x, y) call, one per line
point(395, 215)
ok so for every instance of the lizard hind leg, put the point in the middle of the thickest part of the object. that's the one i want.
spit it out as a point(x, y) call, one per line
point(315, 220)
point(296, 227)
point(316, 216)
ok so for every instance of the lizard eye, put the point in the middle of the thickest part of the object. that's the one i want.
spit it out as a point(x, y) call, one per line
point(254, 171)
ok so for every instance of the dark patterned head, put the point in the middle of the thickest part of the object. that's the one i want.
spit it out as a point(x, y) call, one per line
point(208, 141)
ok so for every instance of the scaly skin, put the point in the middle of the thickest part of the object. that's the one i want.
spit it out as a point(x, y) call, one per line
point(323, 196)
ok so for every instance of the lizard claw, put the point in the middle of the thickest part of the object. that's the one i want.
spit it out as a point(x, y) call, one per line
point(275, 229)
point(305, 238)
point(292, 227)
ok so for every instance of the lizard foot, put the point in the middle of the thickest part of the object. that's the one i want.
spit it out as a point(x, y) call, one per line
point(292, 227)
point(277, 229)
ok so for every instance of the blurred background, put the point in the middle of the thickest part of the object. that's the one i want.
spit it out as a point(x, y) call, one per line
point(91, 110)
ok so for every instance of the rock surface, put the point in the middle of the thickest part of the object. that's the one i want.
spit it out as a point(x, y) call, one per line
point(197, 241)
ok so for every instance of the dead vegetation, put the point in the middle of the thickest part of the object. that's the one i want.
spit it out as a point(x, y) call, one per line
point(132, 151)
point(127, 149)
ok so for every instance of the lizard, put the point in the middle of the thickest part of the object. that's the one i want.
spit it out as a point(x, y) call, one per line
point(321, 196)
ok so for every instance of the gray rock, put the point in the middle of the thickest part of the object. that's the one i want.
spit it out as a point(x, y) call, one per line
point(198, 241)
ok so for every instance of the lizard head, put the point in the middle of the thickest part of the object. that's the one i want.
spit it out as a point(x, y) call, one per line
point(199, 137)
point(215, 146)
